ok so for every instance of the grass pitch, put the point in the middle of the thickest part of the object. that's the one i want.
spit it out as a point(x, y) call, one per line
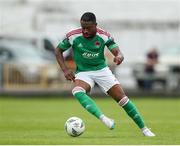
point(41, 121)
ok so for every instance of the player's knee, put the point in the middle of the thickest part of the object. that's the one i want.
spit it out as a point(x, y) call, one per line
point(78, 89)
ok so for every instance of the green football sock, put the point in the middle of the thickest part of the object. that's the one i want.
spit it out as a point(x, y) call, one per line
point(132, 111)
point(88, 104)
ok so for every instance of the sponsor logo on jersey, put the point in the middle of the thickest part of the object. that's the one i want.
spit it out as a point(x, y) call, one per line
point(90, 55)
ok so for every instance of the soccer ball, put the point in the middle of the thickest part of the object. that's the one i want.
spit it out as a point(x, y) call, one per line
point(74, 126)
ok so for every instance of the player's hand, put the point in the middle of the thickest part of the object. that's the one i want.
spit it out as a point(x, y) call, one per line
point(118, 59)
point(69, 75)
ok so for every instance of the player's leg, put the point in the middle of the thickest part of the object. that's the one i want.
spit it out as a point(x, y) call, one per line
point(107, 81)
point(118, 94)
point(79, 91)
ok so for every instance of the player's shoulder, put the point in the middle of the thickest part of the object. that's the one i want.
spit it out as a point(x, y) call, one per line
point(73, 32)
point(102, 32)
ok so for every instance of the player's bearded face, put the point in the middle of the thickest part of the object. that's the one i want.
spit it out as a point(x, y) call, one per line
point(88, 29)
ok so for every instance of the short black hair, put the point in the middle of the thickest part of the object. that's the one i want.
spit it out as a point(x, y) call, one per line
point(88, 17)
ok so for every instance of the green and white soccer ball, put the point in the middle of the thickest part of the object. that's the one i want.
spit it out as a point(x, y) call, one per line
point(74, 126)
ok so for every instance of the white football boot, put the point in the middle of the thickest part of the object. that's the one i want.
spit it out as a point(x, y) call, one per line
point(147, 132)
point(108, 122)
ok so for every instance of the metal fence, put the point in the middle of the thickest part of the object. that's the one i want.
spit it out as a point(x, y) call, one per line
point(21, 77)
point(33, 79)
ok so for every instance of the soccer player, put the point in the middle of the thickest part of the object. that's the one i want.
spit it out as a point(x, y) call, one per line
point(88, 43)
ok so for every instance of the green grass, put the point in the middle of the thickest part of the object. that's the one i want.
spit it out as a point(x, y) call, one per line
point(41, 121)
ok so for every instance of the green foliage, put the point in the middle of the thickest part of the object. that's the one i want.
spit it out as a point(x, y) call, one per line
point(41, 121)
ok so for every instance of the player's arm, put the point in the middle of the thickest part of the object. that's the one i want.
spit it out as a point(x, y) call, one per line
point(118, 56)
point(64, 45)
point(113, 47)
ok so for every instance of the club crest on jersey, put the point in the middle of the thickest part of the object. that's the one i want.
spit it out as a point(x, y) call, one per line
point(97, 43)
point(90, 55)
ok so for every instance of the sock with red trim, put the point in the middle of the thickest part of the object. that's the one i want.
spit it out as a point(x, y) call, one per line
point(132, 111)
point(86, 101)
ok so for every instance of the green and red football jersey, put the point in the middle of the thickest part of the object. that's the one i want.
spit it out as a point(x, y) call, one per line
point(88, 53)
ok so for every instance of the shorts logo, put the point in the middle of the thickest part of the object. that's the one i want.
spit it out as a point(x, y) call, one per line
point(90, 55)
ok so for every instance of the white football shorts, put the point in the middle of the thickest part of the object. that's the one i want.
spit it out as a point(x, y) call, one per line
point(104, 78)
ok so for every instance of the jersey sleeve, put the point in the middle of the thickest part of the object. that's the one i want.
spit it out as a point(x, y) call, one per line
point(64, 44)
point(110, 43)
